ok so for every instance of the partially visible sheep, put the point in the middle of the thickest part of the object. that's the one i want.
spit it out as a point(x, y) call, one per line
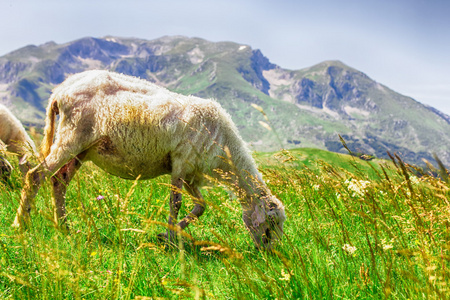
point(132, 128)
point(5, 169)
point(14, 139)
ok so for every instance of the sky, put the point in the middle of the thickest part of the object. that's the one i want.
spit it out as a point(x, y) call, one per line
point(403, 44)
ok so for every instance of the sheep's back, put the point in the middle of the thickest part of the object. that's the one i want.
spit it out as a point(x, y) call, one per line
point(149, 121)
point(11, 130)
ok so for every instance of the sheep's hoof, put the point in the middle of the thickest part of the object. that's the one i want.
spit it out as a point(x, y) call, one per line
point(64, 228)
point(16, 225)
point(164, 238)
point(19, 223)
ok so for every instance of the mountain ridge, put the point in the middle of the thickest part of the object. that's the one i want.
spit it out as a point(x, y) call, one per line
point(309, 107)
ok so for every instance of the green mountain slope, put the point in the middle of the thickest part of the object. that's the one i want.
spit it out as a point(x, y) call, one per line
point(307, 108)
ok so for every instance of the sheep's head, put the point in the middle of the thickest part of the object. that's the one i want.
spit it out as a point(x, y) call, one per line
point(265, 221)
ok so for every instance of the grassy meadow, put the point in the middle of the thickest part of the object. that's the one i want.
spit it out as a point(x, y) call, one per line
point(354, 230)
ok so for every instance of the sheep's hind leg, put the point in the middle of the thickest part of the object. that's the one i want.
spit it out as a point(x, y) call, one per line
point(199, 207)
point(175, 204)
point(60, 182)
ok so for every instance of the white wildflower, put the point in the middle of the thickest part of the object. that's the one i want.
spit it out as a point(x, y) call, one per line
point(358, 187)
point(408, 193)
point(285, 275)
point(349, 249)
point(387, 245)
point(414, 180)
point(316, 187)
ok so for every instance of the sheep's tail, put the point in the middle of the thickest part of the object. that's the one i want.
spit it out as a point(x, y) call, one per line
point(49, 130)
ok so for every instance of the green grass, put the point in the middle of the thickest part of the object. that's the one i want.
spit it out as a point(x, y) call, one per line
point(349, 234)
point(318, 160)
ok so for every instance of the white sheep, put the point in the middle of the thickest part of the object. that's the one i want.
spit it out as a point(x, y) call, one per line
point(132, 128)
point(14, 139)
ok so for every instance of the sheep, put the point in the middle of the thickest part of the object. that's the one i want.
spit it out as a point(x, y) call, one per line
point(5, 169)
point(14, 139)
point(132, 128)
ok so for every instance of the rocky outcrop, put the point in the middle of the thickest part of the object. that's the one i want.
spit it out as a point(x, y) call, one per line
point(253, 73)
point(10, 71)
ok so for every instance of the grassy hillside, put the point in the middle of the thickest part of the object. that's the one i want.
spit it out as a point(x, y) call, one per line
point(349, 234)
point(316, 160)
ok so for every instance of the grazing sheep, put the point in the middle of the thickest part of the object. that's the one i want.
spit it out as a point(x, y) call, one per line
point(14, 139)
point(132, 128)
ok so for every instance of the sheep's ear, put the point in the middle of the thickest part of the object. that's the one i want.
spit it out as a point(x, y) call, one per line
point(258, 216)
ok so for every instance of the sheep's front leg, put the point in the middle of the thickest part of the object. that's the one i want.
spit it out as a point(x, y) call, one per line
point(60, 182)
point(199, 207)
point(32, 182)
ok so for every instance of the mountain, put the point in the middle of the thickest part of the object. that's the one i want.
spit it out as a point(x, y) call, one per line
point(304, 108)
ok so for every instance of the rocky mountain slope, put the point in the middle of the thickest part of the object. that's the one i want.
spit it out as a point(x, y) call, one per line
point(304, 108)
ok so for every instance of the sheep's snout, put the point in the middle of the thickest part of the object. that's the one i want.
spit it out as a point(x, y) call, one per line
point(265, 226)
point(266, 238)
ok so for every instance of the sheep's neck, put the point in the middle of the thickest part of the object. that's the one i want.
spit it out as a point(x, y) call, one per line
point(246, 182)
